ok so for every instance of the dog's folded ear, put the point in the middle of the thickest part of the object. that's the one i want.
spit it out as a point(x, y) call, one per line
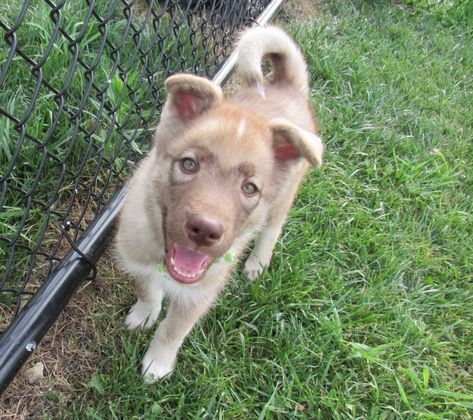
point(291, 142)
point(190, 96)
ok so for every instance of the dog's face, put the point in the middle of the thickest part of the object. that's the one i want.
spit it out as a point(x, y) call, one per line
point(218, 170)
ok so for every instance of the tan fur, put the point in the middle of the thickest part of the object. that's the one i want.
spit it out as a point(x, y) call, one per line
point(263, 138)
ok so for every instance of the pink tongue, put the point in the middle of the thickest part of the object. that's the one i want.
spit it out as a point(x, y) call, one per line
point(187, 260)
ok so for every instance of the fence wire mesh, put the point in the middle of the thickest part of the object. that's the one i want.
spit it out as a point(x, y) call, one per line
point(80, 91)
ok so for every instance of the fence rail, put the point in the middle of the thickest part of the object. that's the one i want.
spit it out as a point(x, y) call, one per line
point(80, 90)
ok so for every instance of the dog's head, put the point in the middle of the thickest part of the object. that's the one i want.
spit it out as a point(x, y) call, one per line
point(219, 167)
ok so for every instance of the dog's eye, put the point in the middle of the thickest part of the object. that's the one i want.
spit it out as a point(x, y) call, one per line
point(189, 165)
point(249, 188)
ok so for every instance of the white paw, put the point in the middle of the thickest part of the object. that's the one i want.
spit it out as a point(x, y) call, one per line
point(153, 369)
point(142, 315)
point(254, 267)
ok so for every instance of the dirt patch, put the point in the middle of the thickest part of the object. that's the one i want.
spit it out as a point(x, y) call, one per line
point(67, 351)
point(297, 11)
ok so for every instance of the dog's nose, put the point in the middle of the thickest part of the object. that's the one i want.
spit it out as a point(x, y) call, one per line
point(203, 231)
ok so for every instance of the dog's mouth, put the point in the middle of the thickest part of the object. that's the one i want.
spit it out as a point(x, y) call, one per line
point(185, 265)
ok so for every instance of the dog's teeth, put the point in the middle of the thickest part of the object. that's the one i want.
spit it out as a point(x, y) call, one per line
point(181, 273)
point(189, 276)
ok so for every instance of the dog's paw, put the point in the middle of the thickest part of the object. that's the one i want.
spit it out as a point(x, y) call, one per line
point(142, 315)
point(254, 267)
point(153, 369)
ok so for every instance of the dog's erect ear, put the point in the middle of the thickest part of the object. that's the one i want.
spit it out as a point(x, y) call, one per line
point(190, 96)
point(291, 142)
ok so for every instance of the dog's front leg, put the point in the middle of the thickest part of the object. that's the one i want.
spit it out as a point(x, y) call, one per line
point(145, 312)
point(263, 250)
point(267, 238)
point(160, 359)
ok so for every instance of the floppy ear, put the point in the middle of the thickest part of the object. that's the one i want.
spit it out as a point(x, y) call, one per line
point(291, 142)
point(190, 96)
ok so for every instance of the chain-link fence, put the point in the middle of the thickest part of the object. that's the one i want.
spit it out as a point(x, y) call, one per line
point(80, 91)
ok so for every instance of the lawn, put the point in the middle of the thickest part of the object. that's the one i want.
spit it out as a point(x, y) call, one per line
point(367, 309)
point(70, 132)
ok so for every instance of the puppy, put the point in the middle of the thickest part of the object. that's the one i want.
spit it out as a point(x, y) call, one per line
point(221, 172)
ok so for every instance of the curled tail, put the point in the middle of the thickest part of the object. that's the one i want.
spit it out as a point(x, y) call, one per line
point(287, 61)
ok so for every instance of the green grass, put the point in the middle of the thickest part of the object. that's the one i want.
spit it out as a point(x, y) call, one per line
point(89, 134)
point(367, 310)
point(65, 143)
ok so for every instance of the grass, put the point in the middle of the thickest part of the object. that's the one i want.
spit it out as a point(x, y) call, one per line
point(367, 310)
point(76, 148)
point(58, 146)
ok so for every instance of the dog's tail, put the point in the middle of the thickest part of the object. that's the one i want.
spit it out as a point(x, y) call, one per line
point(287, 61)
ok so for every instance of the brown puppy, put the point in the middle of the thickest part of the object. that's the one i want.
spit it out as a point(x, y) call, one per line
point(221, 172)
